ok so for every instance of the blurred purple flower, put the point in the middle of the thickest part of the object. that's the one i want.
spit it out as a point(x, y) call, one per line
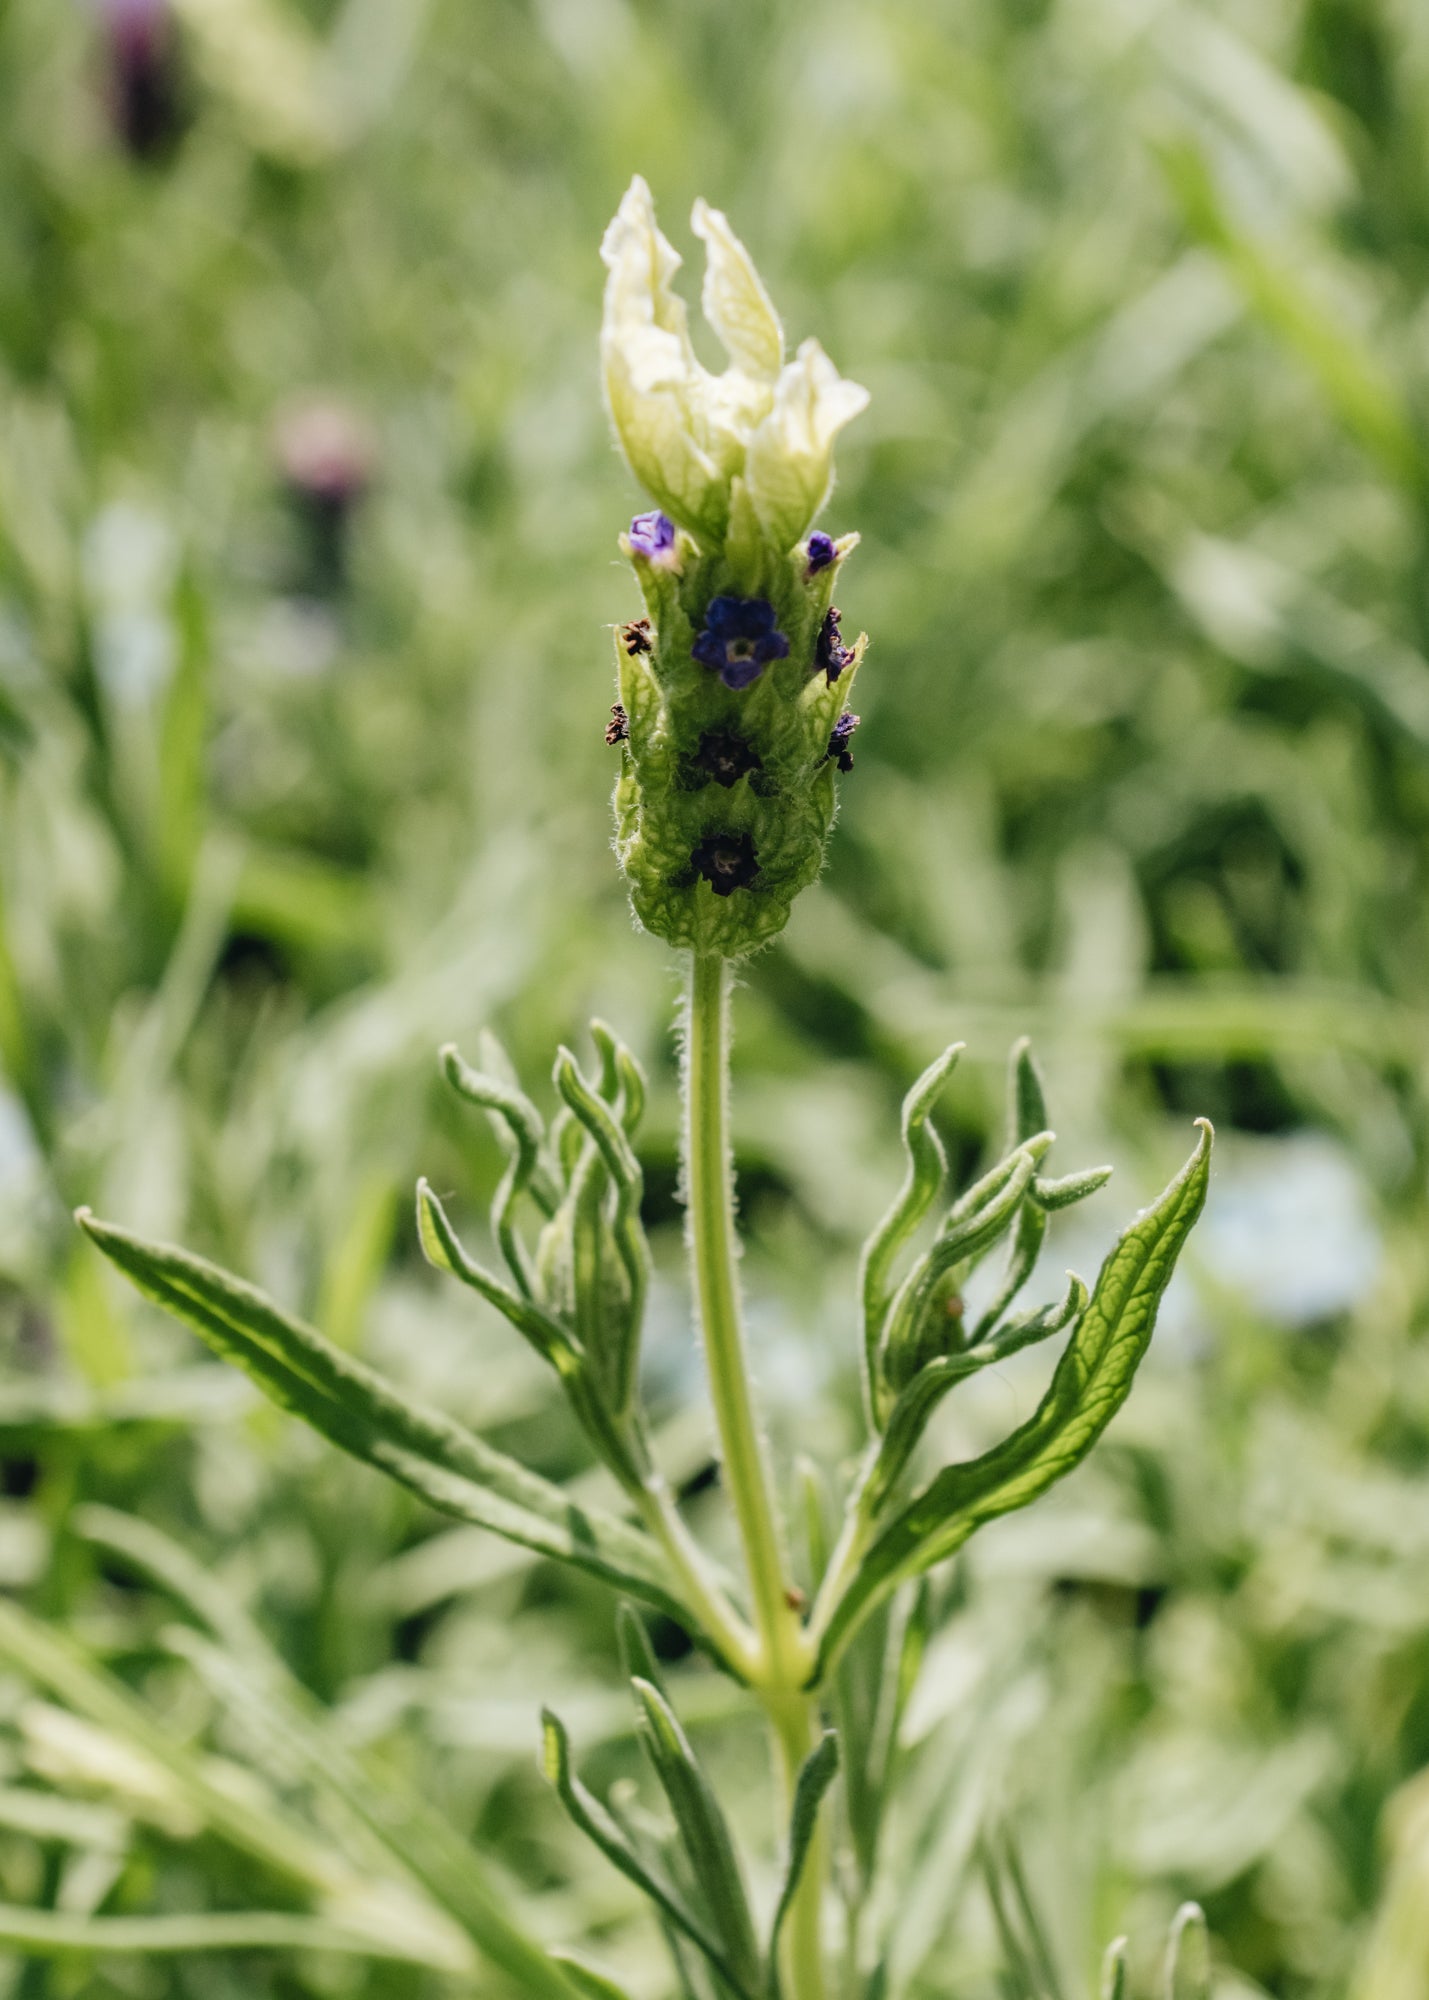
point(141, 48)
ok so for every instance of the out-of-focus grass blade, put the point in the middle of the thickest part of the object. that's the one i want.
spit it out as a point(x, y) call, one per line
point(1188, 1956)
point(423, 1846)
point(54, 1934)
point(1363, 395)
point(1113, 1982)
point(587, 1981)
point(257, 1826)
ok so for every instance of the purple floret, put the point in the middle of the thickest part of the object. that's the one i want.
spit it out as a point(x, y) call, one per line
point(840, 739)
point(740, 639)
point(652, 535)
point(727, 861)
point(820, 552)
point(831, 655)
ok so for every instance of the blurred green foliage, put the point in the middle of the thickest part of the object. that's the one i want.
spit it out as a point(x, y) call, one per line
point(292, 793)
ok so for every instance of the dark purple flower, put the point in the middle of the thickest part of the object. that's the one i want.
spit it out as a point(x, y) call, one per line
point(740, 639)
point(725, 756)
point(820, 552)
point(830, 653)
point(727, 861)
point(838, 743)
point(652, 535)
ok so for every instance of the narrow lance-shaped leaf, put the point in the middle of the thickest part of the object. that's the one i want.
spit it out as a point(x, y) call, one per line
point(629, 1076)
point(927, 1164)
point(597, 1824)
point(551, 1340)
point(637, 1655)
point(444, 1249)
point(523, 1123)
point(703, 1830)
point(624, 1170)
point(1092, 1380)
point(816, 1774)
point(355, 1408)
point(974, 1224)
point(1027, 1240)
point(1069, 1188)
point(914, 1409)
point(1026, 1099)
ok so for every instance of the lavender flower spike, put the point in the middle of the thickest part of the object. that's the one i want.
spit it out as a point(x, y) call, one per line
point(740, 639)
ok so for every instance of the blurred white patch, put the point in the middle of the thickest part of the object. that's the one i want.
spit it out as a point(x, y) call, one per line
point(1288, 1224)
point(129, 567)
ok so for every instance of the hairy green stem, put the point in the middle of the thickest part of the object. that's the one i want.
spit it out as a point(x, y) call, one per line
point(783, 1658)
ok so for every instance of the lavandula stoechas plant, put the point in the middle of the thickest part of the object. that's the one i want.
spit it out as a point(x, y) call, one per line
point(732, 725)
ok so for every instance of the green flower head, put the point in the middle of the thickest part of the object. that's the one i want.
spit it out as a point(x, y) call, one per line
point(732, 685)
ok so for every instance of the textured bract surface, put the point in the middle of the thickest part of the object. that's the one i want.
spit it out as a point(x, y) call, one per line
point(734, 684)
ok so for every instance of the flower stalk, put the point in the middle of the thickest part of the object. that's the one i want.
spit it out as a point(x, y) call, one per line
point(784, 1661)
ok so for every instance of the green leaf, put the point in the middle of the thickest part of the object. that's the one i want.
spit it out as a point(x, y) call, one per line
point(1092, 1380)
point(637, 1655)
point(444, 1249)
point(703, 1830)
point(634, 1253)
point(1027, 1240)
point(522, 1121)
point(927, 1165)
point(622, 1080)
point(1020, 1333)
point(1061, 1193)
point(1113, 1986)
point(1026, 1100)
point(355, 1408)
point(586, 1980)
point(974, 1224)
point(597, 1824)
point(816, 1774)
point(1188, 1956)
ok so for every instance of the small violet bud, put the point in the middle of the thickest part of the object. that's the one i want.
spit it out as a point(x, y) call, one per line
point(726, 861)
point(740, 639)
point(839, 741)
point(831, 655)
point(652, 535)
point(819, 552)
